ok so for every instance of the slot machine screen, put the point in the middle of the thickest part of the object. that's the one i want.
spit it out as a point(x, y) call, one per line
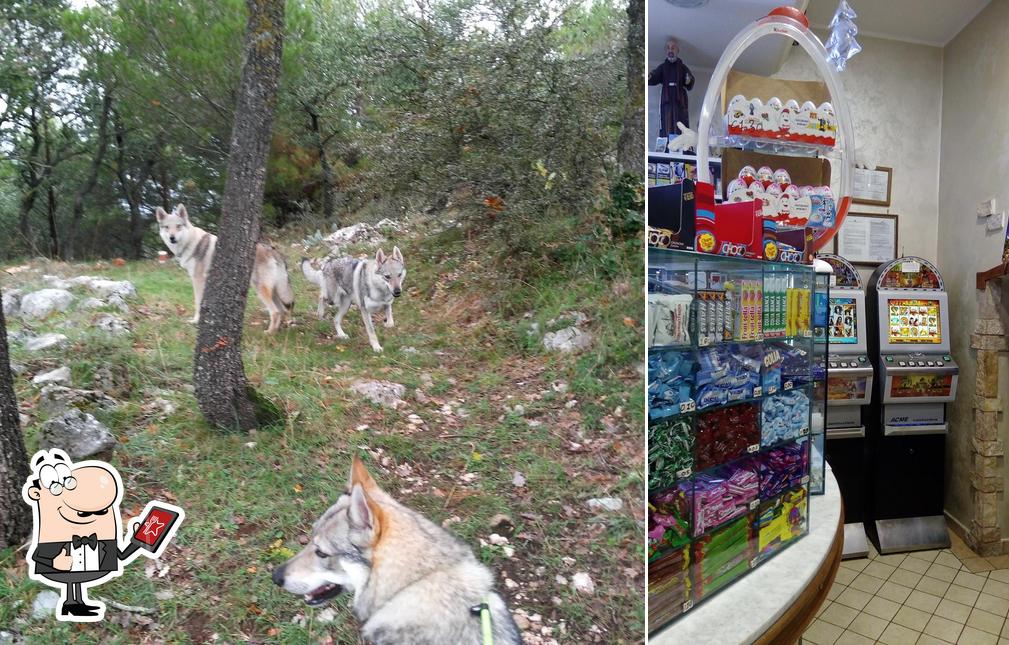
point(914, 321)
point(842, 321)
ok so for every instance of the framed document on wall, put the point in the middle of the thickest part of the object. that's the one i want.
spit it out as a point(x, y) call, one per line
point(872, 186)
point(867, 239)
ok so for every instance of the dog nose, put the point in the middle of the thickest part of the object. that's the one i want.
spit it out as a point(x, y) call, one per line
point(278, 576)
point(172, 238)
point(396, 292)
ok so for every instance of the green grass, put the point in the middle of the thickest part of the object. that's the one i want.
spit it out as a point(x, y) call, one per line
point(247, 506)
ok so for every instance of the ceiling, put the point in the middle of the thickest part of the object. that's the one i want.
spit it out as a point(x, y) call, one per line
point(705, 31)
point(927, 22)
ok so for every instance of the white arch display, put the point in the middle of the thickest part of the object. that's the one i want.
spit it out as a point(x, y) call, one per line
point(785, 21)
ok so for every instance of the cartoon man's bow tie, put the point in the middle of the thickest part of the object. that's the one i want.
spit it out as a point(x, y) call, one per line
point(90, 540)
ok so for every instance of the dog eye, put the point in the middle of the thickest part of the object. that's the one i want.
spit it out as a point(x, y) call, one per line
point(320, 554)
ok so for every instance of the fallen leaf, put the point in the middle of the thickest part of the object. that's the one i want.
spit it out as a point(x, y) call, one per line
point(518, 480)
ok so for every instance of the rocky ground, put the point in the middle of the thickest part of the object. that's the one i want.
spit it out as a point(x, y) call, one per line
point(521, 433)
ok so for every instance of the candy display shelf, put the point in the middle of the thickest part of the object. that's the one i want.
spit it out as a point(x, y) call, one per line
point(774, 146)
point(730, 390)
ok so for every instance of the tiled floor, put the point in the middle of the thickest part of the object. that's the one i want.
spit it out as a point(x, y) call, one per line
point(948, 596)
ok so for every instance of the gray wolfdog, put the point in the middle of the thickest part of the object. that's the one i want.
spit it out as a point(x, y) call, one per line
point(413, 582)
point(194, 249)
point(372, 285)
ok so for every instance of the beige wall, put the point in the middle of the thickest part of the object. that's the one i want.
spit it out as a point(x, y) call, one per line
point(894, 92)
point(975, 166)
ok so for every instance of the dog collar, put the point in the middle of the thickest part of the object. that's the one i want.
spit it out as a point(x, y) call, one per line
point(483, 611)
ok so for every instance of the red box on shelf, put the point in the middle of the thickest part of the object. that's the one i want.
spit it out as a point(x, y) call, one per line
point(727, 229)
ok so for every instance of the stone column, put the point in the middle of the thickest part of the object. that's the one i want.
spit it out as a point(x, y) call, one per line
point(986, 478)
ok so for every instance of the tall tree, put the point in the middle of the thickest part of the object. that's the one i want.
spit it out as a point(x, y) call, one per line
point(15, 515)
point(631, 145)
point(222, 390)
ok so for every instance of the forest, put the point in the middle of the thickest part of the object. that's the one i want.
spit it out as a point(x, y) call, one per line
point(511, 111)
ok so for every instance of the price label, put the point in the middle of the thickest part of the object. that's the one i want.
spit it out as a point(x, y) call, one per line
point(910, 266)
point(757, 391)
point(704, 341)
point(805, 480)
point(753, 562)
point(683, 473)
point(688, 406)
point(752, 449)
point(771, 389)
point(787, 386)
point(803, 432)
point(807, 332)
point(754, 504)
point(760, 337)
point(688, 605)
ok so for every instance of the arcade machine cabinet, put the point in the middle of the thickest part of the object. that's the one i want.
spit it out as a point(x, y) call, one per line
point(916, 377)
point(849, 391)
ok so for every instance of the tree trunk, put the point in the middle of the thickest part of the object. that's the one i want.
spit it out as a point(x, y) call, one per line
point(70, 242)
point(219, 374)
point(631, 144)
point(15, 514)
point(324, 166)
point(54, 240)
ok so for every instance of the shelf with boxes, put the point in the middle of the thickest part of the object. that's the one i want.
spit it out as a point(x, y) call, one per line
point(730, 387)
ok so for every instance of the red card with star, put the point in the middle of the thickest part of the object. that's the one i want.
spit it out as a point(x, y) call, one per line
point(155, 527)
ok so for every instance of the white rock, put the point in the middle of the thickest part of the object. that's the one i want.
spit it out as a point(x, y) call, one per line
point(45, 604)
point(518, 480)
point(384, 393)
point(43, 302)
point(78, 433)
point(11, 302)
point(45, 341)
point(567, 340)
point(108, 288)
point(91, 303)
point(582, 583)
point(327, 615)
point(605, 504)
point(58, 376)
point(496, 539)
point(113, 325)
point(115, 300)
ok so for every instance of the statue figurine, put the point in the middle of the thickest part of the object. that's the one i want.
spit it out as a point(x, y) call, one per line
point(675, 78)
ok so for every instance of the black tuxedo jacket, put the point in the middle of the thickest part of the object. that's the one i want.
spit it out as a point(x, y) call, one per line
point(108, 556)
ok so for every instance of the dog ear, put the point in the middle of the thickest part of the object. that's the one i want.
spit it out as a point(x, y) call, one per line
point(359, 475)
point(160, 214)
point(380, 256)
point(396, 254)
point(365, 514)
point(181, 211)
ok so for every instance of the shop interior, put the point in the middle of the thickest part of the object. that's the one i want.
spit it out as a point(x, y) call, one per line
point(828, 368)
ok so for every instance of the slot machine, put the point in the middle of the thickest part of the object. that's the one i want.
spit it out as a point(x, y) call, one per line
point(849, 391)
point(916, 378)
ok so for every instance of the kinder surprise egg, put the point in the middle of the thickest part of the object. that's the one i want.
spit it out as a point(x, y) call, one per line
point(747, 174)
point(754, 108)
point(782, 178)
point(765, 175)
point(775, 104)
point(737, 111)
point(738, 192)
point(829, 121)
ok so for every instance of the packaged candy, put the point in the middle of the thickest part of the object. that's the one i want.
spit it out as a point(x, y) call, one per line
point(784, 416)
point(669, 519)
point(670, 452)
point(725, 434)
point(782, 468)
point(668, 586)
point(781, 521)
point(670, 382)
point(782, 178)
point(722, 556)
point(765, 176)
point(748, 174)
point(724, 370)
point(724, 494)
point(668, 319)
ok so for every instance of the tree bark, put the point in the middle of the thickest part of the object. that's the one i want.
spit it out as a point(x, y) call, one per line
point(631, 144)
point(70, 242)
point(222, 390)
point(132, 191)
point(54, 240)
point(325, 167)
point(15, 514)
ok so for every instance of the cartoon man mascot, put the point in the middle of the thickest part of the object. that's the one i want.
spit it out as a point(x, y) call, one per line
point(76, 540)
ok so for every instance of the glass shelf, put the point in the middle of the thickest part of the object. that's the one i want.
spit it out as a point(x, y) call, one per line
point(774, 146)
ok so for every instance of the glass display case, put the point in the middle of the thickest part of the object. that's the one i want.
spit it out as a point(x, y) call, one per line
point(732, 390)
point(821, 349)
